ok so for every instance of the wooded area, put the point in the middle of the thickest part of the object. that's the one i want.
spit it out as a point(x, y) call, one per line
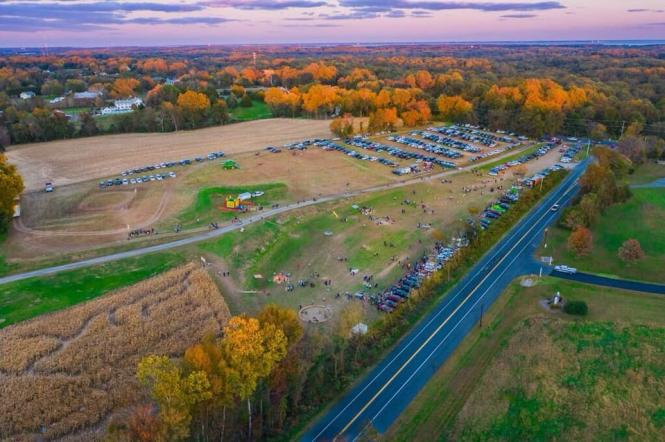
point(578, 90)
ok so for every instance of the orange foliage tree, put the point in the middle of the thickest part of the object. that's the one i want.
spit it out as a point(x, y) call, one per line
point(580, 241)
point(320, 98)
point(124, 87)
point(454, 108)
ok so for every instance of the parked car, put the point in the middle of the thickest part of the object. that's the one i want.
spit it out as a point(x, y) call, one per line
point(48, 187)
point(565, 269)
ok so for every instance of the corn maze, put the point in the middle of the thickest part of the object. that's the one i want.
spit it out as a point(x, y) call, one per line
point(67, 373)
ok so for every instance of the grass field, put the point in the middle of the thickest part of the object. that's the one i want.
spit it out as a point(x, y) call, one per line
point(257, 111)
point(533, 375)
point(325, 242)
point(74, 370)
point(35, 296)
point(72, 161)
point(641, 218)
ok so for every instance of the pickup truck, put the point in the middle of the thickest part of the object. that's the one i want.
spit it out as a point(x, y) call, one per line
point(565, 269)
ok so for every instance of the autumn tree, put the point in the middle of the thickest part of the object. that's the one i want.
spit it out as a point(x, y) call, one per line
point(11, 186)
point(383, 119)
point(631, 251)
point(454, 108)
point(320, 98)
point(238, 90)
point(174, 392)
point(424, 79)
point(144, 424)
point(282, 101)
point(207, 357)
point(342, 126)
point(251, 350)
point(580, 241)
point(124, 87)
point(284, 319)
point(193, 105)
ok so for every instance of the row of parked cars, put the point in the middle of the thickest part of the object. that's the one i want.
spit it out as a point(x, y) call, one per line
point(136, 180)
point(400, 291)
point(494, 210)
point(494, 171)
point(477, 134)
point(330, 145)
point(397, 152)
point(447, 141)
point(538, 177)
point(570, 153)
point(423, 145)
point(167, 164)
point(441, 136)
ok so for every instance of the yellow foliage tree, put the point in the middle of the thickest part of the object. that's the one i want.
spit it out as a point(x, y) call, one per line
point(251, 350)
point(193, 102)
point(174, 393)
point(319, 98)
point(11, 186)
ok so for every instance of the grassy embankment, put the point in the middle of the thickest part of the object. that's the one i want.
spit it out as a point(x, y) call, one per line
point(641, 217)
point(533, 375)
point(25, 299)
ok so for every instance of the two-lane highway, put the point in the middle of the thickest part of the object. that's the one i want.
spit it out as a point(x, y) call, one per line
point(389, 387)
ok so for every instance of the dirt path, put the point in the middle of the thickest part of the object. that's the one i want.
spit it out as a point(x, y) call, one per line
point(71, 161)
point(154, 218)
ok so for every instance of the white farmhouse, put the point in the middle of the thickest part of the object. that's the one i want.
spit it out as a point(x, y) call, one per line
point(122, 106)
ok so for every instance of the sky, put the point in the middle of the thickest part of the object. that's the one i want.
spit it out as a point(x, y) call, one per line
point(101, 23)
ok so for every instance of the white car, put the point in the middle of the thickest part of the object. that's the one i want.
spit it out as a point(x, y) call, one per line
point(555, 208)
point(565, 269)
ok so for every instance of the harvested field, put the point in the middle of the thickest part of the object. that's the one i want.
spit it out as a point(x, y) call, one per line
point(66, 373)
point(72, 161)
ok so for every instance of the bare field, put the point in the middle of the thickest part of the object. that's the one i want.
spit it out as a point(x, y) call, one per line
point(71, 161)
point(72, 370)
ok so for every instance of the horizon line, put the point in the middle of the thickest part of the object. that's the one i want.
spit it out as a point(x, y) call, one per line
point(617, 42)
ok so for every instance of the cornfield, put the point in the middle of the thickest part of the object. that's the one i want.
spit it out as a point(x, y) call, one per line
point(65, 374)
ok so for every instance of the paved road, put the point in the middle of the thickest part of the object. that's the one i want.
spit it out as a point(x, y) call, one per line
point(388, 388)
point(231, 227)
point(637, 286)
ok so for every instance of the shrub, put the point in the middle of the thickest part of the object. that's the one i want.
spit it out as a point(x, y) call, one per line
point(578, 308)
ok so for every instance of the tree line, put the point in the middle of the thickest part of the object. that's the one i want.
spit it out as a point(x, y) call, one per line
point(590, 91)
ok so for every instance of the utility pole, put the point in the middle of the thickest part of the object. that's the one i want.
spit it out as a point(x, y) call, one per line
point(481, 315)
point(588, 147)
point(623, 125)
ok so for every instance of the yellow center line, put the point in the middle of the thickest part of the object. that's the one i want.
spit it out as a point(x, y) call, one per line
point(431, 336)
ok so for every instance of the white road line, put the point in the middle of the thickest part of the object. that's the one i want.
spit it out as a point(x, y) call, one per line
point(423, 328)
point(392, 378)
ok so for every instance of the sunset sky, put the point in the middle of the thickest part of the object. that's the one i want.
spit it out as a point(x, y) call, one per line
point(174, 22)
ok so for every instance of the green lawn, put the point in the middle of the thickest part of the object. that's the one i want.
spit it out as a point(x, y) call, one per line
point(28, 298)
point(642, 217)
point(257, 111)
point(207, 206)
point(532, 375)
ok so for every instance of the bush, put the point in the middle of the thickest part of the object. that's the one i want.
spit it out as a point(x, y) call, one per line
point(578, 308)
